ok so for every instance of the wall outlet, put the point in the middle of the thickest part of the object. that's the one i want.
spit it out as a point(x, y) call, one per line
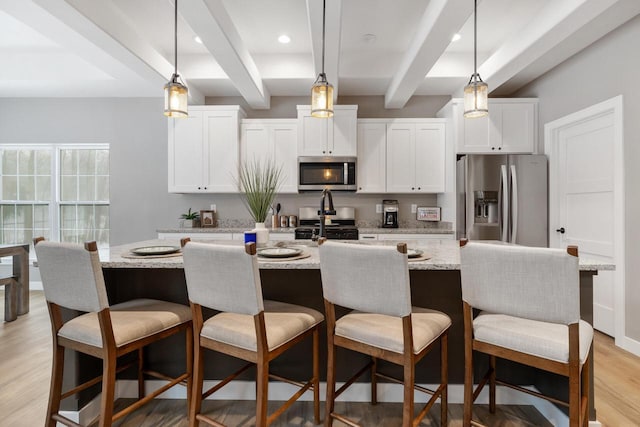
point(414, 208)
point(213, 207)
point(378, 208)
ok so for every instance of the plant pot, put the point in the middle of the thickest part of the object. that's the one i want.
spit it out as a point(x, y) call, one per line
point(186, 223)
point(262, 234)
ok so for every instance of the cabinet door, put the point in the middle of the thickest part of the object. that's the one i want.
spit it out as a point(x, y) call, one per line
point(313, 134)
point(371, 166)
point(401, 162)
point(254, 142)
point(186, 154)
point(517, 128)
point(222, 151)
point(284, 138)
point(430, 157)
point(342, 139)
point(473, 134)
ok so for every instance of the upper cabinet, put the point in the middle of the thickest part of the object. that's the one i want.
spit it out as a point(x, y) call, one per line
point(510, 127)
point(372, 154)
point(204, 150)
point(416, 156)
point(335, 136)
point(275, 139)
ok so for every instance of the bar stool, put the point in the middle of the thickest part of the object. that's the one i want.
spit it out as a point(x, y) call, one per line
point(226, 278)
point(374, 280)
point(530, 313)
point(72, 278)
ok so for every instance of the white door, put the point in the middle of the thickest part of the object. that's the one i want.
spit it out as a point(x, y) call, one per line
point(372, 142)
point(583, 159)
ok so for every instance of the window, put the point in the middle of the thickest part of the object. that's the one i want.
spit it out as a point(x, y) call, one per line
point(56, 191)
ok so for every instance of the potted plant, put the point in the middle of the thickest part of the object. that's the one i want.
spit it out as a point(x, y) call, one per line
point(189, 219)
point(259, 183)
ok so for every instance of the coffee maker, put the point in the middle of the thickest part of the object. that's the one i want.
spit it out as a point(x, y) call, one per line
point(390, 213)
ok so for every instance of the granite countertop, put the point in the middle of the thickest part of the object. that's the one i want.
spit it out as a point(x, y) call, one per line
point(443, 255)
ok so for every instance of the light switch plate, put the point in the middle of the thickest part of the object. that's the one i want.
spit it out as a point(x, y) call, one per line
point(378, 208)
point(414, 208)
point(213, 208)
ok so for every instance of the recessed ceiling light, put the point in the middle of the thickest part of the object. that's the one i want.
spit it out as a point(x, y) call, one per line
point(369, 38)
point(456, 37)
point(284, 39)
point(198, 39)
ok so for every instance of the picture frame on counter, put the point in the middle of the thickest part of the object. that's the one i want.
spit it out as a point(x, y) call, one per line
point(208, 219)
point(428, 214)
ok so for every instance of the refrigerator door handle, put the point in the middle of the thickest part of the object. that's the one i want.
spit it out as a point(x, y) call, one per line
point(503, 201)
point(514, 204)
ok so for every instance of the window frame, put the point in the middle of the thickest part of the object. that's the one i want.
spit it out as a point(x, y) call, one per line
point(55, 203)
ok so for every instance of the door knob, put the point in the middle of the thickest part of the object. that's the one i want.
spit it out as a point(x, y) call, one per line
point(560, 230)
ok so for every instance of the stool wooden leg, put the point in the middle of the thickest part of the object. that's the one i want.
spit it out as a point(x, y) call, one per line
point(316, 377)
point(108, 389)
point(374, 381)
point(262, 380)
point(141, 390)
point(492, 385)
point(196, 394)
point(586, 385)
point(444, 378)
point(407, 405)
point(189, 360)
point(55, 391)
point(331, 382)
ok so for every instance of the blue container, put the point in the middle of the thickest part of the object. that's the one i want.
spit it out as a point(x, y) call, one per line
point(249, 236)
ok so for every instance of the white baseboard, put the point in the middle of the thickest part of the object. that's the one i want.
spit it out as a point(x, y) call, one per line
point(359, 392)
point(629, 344)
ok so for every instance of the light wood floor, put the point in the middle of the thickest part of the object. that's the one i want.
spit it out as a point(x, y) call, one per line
point(25, 363)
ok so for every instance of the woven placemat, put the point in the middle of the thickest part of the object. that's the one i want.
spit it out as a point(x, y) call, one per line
point(134, 256)
point(293, 258)
point(420, 258)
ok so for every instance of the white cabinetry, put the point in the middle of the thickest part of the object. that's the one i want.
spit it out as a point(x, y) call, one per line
point(416, 156)
point(335, 136)
point(238, 236)
point(510, 127)
point(275, 139)
point(203, 150)
point(411, 238)
point(371, 166)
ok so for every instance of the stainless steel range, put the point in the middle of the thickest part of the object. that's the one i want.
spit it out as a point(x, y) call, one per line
point(342, 226)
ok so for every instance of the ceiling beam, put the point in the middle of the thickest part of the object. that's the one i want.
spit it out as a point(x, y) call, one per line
point(211, 22)
point(559, 31)
point(333, 31)
point(107, 28)
point(440, 21)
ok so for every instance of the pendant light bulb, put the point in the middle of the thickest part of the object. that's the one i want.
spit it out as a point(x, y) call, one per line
point(322, 91)
point(175, 91)
point(476, 92)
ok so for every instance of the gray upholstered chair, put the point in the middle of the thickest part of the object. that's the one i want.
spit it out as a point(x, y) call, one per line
point(529, 302)
point(374, 281)
point(72, 279)
point(226, 278)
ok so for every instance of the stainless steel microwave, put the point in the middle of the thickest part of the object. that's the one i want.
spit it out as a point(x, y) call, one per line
point(334, 173)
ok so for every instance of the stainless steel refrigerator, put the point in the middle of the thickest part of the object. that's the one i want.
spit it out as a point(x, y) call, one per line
point(503, 197)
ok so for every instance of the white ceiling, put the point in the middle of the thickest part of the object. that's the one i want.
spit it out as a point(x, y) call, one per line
point(400, 48)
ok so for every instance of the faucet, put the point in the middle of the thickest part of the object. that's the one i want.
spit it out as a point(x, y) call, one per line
point(323, 212)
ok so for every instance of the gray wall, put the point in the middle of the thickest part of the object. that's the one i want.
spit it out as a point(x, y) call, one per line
point(137, 133)
point(605, 69)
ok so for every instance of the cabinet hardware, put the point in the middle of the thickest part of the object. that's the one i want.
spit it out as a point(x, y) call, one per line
point(560, 230)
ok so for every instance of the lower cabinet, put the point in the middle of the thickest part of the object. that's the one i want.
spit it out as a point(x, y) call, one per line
point(411, 238)
point(280, 236)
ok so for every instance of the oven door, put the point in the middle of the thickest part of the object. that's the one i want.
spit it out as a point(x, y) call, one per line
point(334, 173)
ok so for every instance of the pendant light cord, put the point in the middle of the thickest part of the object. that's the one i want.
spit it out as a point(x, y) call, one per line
point(324, 13)
point(175, 37)
point(475, 40)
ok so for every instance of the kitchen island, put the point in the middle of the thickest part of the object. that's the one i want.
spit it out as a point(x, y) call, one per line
point(435, 283)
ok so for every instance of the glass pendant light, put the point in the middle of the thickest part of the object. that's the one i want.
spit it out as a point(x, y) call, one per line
point(322, 91)
point(476, 92)
point(175, 91)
